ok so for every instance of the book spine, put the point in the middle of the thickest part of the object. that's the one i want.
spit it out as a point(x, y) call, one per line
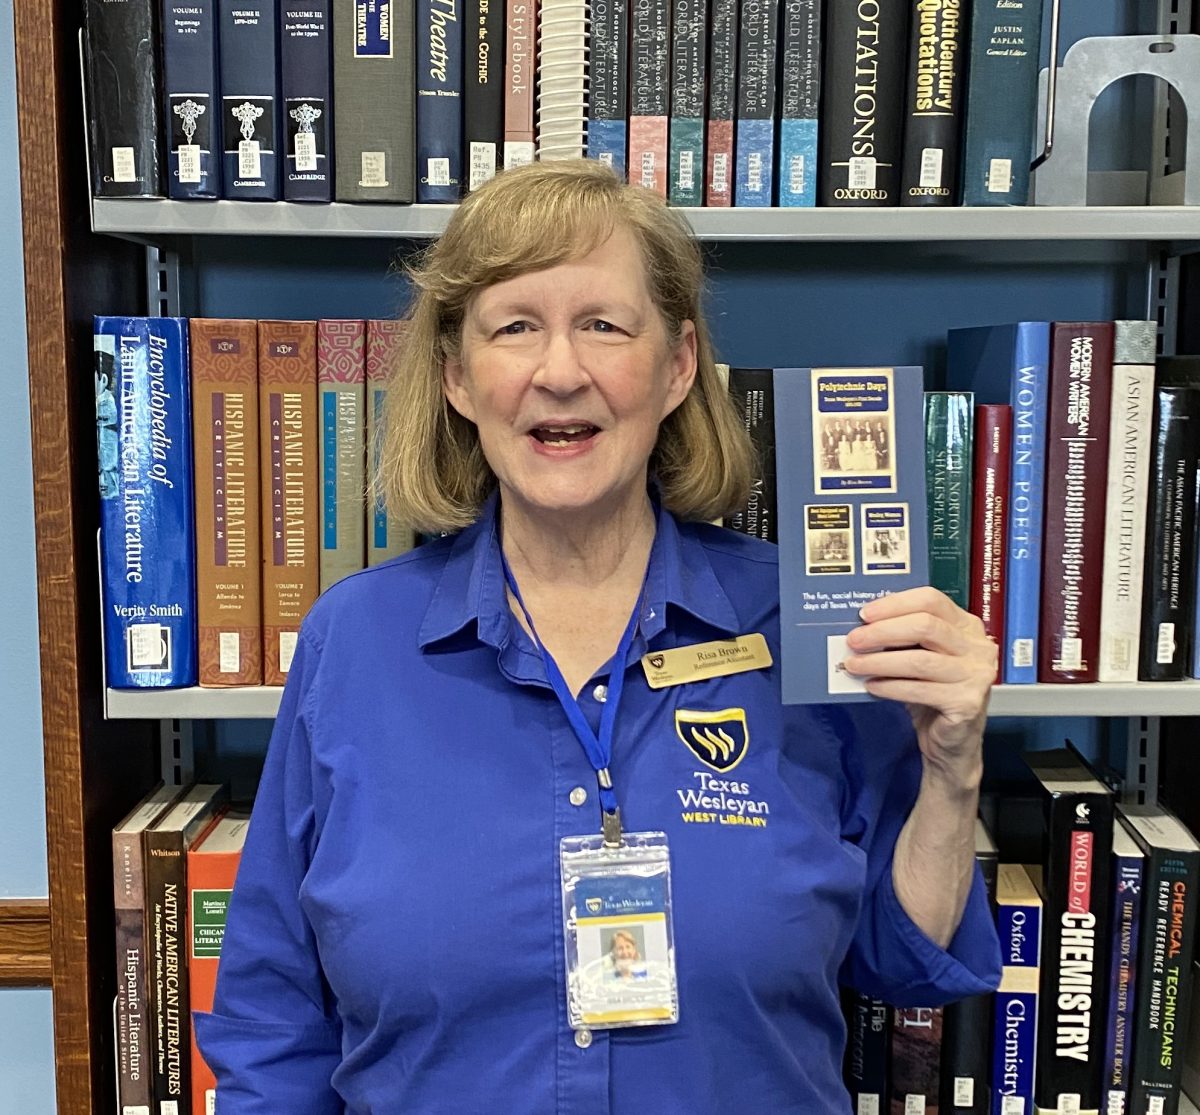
point(1127, 498)
point(1169, 582)
point(483, 90)
point(288, 447)
point(133, 1044)
point(916, 1055)
point(650, 77)
point(754, 397)
point(251, 125)
point(689, 59)
point(989, 516)
point(386, 538)
point(799, 100)
point(1122, 980)
point(862, 103)
point(439, 100)
point(374, 93)
point(949, 440)
point(228, 540)
point(1015, 1014)
point(519, 78)
point(306, 62)
point(868, 1029)
point(121, 46)
point(934, 103)
point(722, 102)
point(758, 49)
point(1164, 982)
point(1071, 1035)
point(192, 107)
point(608, 102)
point(1005, 40)
point(341, 379)
point(144, 438)
point(1076, 482)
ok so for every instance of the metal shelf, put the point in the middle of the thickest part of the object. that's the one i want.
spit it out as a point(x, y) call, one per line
point(151, 219)
point(1141, 699)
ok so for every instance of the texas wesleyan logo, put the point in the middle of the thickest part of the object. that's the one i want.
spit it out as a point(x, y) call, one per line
point(718, 739)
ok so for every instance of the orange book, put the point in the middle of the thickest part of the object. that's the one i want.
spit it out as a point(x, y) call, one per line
point(211, 869)
point(288, 444)
point(228, 551)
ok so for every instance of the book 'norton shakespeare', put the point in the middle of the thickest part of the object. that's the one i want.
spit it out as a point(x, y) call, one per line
point(147, 533)
point(850, 471)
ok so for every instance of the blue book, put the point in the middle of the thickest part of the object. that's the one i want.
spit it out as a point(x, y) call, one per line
point(250, 116)
point(608, 93)
point(306, 67)
point(147, 531)
point(1014, 1048)
point(1128, 869)
point(193, 108)
point(850, 478)
point(754, 142)
point(1002, 82)
point(439, 100)
point(1011, 364)
point(799, 99)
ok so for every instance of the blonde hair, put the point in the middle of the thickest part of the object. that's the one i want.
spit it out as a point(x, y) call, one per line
point(432, 471)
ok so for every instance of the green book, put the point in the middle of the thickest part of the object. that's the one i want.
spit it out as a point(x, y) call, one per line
point(948, 445)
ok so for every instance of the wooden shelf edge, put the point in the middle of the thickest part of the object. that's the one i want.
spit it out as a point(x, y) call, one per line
point(24, 942)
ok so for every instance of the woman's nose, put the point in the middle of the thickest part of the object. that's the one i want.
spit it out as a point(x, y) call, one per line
point(560, 369)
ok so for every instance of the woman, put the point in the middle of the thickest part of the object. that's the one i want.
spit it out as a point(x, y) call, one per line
point(396, 939)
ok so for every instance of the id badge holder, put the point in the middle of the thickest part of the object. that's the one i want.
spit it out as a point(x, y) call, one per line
point(620, 943)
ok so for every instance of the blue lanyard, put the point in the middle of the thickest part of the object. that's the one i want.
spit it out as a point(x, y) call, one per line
point(597, 747)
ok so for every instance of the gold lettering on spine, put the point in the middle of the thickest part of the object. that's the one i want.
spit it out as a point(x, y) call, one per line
point(235, 479)
point(293, 479)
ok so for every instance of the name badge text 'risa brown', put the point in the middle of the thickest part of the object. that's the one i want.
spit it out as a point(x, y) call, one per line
point(706, 660)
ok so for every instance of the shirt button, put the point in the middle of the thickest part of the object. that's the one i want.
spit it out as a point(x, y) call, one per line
point(578, 795)
point(583, 1038)
point(600, 693)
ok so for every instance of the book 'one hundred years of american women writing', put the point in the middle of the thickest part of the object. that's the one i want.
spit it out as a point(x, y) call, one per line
point(850, 470)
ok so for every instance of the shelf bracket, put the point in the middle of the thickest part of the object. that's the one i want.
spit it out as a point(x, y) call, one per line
point(1141, 760)
point(162, 282)
point(177, 762)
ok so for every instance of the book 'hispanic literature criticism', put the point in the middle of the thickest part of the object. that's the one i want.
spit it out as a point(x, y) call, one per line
point(851, 488)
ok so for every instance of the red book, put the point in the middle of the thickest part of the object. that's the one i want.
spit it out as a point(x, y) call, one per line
point(916, 1060)
point(1081, 366)
point(989, 516)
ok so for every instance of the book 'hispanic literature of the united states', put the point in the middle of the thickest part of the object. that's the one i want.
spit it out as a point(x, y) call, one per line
point(439, 100)
point(251, 126)
point(1128, 872)
point(147, 534)
point(341, 391)
point(949, 437)
point(228, 525)
point(799, 98)
point(306, 66)
point(386, 538)
point(758, 50)
point(193, 107)
point(850, 471)
point(1077, 822)
point(1014, 1047)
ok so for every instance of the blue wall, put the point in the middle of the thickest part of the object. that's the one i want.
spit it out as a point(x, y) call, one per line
point(26, 1038)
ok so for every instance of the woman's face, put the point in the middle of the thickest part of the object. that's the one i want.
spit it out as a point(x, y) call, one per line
point(567, 373)
point(624, 949)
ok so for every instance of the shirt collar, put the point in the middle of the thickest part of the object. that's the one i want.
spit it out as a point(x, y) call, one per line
point(471, 587)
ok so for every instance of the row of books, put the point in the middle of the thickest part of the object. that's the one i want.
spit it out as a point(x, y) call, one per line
point(744, 102)
point(175, 858)
point(233, 479)
point(1060, 493)
point(1096, 911)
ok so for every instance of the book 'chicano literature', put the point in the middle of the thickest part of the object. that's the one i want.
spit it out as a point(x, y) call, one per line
point(251, 124)
point(949, 437)
point(850, 473)
point(306, 66)
point(147, 532)
point(386, 538)
point(192, 105)
point(1019, 914)
point(228, 524)
point(341, 398)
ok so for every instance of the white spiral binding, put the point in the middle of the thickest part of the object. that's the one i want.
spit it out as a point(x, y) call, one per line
point(563, 80)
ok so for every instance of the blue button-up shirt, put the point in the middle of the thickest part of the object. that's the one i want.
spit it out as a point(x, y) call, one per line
point(395, 940)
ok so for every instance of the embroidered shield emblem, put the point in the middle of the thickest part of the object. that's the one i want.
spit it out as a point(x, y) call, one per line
point(718, 739)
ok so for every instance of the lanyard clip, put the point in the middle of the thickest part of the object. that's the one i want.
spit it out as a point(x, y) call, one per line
point(610, 826)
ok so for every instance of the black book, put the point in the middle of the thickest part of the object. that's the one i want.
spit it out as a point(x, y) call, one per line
point(483, 90)
point(1165, 952)
point(250, 110)
point(967, 1025)
point(124, 95)
point(865, 1070)
point(192, 105)
point(934, 103)
point(306, 65)
point(1076, 828)
point(1168, 592)
point(862, 102)
point(753, 391)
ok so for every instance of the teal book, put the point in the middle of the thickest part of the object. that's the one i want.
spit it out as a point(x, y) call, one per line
point(689, 51)
point(948, 452)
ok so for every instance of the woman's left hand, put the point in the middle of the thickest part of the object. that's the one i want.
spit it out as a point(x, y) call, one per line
point(919, 647)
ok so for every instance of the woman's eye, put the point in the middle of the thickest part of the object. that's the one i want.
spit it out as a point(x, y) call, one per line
point(513, 328)
point(602, 326)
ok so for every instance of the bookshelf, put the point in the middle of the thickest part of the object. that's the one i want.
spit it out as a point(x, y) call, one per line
point(84, 257)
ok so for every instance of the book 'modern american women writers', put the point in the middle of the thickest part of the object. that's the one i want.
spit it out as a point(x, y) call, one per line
point(850, 465)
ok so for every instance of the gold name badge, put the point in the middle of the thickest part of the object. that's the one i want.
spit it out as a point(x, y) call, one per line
point(706, 660)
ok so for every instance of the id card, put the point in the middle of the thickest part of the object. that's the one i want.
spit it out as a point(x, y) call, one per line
point(620, 944)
